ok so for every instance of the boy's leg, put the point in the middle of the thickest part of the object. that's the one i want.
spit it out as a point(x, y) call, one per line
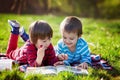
point(13, 40)
point(12, 45)
point(23, 34)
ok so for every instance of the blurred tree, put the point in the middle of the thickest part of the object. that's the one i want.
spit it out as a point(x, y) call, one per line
point(25, 6)
point(46, 4)
point(83, 8)
point(18, 6)
point(86, 8)
point(5, 6)
point(110, 9)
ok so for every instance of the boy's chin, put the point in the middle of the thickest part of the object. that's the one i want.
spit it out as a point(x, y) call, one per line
point(69, 46)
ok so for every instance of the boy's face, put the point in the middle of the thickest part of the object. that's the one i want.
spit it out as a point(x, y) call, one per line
point(43, 43)
point(70, 39)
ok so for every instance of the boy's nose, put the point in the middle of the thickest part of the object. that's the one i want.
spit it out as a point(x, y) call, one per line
point(67, 40)
point(45, 44)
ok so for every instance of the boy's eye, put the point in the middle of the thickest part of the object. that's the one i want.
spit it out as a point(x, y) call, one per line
point(64, 37)
point(49, 38)
point(71, 38)
point(44, 41)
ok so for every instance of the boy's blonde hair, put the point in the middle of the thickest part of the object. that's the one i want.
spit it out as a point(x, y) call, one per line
point(39, 30)
point(71, 24)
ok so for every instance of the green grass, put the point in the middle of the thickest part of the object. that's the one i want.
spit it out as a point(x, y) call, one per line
point(101, 35)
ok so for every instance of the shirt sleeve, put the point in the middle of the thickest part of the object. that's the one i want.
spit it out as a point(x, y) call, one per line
point(32, 59)
point(51, 55)
point(31, 55)
point(59, 48)
point(85, 54)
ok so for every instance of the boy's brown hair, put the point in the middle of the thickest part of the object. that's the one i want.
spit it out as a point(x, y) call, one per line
point(72, 24)
point(39, 30)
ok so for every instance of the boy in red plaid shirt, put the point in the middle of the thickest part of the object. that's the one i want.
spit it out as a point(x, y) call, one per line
point(37, 50)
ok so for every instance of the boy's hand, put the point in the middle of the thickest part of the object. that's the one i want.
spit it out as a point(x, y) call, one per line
point(83, 66)
point(62, 56)
point(41, 50)
point(40, 54)
point(58, 63)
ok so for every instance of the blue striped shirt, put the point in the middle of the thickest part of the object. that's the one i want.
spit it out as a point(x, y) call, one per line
point(80, 55)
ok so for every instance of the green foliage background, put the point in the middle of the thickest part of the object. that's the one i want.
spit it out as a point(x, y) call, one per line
point(108, 9)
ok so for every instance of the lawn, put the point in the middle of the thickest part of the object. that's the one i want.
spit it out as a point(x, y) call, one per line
point(101, 35)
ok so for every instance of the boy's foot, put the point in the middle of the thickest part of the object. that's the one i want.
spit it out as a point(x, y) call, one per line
point(13, 23)
point(15, 26)
point(23, 34)
point(22, 30)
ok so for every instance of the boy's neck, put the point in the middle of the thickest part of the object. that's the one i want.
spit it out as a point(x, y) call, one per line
point(72, 49)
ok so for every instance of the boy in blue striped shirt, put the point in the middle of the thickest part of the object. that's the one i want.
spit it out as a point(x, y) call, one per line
point(72, 48)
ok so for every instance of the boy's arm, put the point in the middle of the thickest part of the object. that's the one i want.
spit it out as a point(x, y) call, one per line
point(31, 55)
point(51, 55)
point(32, 59)
point(62, 56)
point(85, 55)
point(40, 55)
point(60, 51)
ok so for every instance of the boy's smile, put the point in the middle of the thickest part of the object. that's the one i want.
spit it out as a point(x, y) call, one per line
point(70, 39)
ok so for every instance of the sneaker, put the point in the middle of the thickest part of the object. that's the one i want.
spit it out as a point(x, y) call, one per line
point(95, 58)
point(104, 64)
point(22, 30)
point(13, 23)
point(15, 26)
point(23, 34)
point(23, 68)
